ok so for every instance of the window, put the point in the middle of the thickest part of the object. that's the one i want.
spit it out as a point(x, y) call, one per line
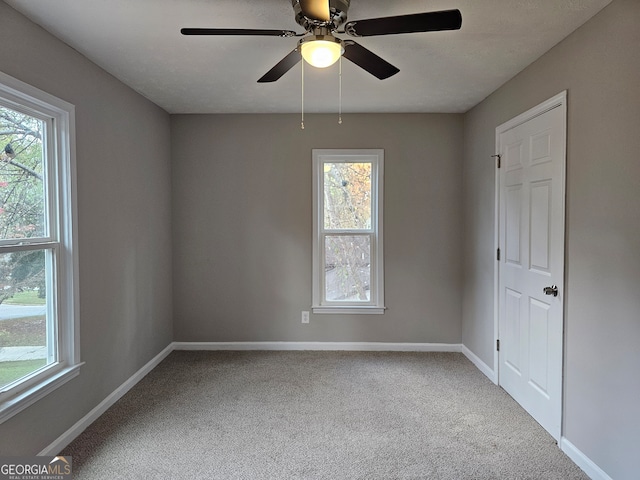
point(347, 231)
point(39, 345)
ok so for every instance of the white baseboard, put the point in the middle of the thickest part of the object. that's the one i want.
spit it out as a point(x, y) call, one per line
point(323, 346)
point(584, 462)
point(483, 367)
point(67, 437)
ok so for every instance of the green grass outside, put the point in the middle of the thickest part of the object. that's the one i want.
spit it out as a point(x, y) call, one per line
point(30, 297)
point(23, 332)
point(11, 371)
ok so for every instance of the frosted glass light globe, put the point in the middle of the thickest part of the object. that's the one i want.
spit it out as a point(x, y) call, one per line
point(321, 53)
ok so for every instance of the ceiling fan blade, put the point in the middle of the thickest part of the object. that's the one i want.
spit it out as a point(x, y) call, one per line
point(368, 60)
point(417, 22)
point(316, 9)
point(237, 31)
point(282, 67)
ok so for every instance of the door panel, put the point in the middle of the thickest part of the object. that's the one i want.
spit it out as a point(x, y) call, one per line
point(540, 205)
point(531, 232)
point(538, 335)
point(512, 337)
point(512, 220)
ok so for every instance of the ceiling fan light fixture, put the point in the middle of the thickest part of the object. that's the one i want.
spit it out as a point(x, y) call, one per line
point(321, 51)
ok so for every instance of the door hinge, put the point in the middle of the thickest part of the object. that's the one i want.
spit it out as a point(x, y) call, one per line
point(498, 254)
point(498, 159)
point(498, 345)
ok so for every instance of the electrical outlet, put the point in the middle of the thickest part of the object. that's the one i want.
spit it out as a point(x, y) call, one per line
point(305, 317)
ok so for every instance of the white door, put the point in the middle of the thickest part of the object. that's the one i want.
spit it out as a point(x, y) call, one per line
point(531, 266)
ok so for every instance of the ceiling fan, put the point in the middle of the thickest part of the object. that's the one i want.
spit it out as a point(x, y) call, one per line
point(319, 46)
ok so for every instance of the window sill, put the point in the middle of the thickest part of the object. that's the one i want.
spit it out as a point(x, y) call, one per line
point(16, 404)
point(350, 310)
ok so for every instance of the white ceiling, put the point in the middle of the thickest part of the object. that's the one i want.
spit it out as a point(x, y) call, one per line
point(139, 42)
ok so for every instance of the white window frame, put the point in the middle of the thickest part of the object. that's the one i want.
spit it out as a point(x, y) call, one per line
point(376, 304)
point(60, 243)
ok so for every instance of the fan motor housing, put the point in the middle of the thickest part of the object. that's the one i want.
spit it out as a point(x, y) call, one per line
point(338, 9)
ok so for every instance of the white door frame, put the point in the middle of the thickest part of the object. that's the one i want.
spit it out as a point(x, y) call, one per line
point(558, 101)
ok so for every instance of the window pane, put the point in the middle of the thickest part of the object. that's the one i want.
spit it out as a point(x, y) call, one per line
point(24, 347)
point(347, 268)
point(347, 196)
point(22, 197)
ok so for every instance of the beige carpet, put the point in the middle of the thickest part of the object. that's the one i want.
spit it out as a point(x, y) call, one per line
point(317, 415)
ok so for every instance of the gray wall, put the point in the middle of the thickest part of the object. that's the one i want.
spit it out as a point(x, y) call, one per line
point(599, 65)
point(242, 227)
point(123, 148)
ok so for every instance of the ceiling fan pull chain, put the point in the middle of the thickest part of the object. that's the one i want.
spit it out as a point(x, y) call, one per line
point(340, 92)
point(302, 84)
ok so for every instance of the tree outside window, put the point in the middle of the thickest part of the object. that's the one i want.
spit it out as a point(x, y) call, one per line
point(23, 206)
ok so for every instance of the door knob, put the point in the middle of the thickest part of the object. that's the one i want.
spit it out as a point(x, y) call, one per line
point(552, 290)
